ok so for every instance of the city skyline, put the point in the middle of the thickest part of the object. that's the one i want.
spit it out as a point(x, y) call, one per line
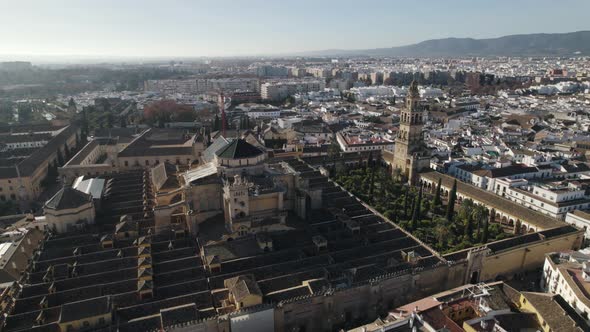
point(232, 28)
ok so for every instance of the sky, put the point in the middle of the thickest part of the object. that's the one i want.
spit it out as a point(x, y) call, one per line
point(184, 28)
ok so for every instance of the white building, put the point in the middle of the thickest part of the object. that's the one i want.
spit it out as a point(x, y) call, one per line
point(486, 178)
point(279, 90)
point(568, 275)
point(287, 123)
point(201, 85)
point(325, 95)
point(264, 113)
point(320, 72)
point(429, 92)
point(362, 93)
point(552, 199)
point(355, 140)
point(171, 86)
point(529, 158)
point(270, 70)
point(228, 84)
point(579, 219)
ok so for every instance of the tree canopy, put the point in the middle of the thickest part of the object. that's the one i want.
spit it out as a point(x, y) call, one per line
point(413, 209)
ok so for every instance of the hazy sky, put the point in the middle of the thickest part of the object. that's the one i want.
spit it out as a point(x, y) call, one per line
point(231, 27)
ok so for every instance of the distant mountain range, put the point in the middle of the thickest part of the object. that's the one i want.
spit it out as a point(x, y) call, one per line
point(538, 44)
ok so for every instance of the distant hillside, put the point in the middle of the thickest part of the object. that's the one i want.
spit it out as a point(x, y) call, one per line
point(539, 44)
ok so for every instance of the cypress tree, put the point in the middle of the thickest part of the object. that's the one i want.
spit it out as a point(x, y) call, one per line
point(84, 129)
point(51, 173)
point(67, 152)
point(486, 222)
point(217, 123)
point(469, 227)
point(406, 202)
point(484, 234)
point(372, 185)
point(452, 199)
point(412, 208)
point(77, 141)
point(60, 158)
point(416, 214)
point(49, 169)
point(110, 120)
point(436, 201)
point(479, 215)
point(71, 103)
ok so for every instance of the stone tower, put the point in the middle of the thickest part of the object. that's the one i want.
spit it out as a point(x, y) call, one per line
point(236, 200)
point(411, 155)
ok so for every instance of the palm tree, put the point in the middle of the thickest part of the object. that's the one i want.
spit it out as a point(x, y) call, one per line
point(442, 233)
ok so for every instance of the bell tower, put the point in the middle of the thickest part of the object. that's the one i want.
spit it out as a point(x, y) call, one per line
point(410, 155)
point(236, 200)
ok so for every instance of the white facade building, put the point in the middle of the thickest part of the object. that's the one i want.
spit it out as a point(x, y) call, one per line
point(287, 123)
point(579, 219)
point(228, 84)
point(279, 90)
point(358, 140)
point(266, 113)
point(568, 275)
point(486, 178)
point(554, 200)
point(429, 92)
point(201, 85)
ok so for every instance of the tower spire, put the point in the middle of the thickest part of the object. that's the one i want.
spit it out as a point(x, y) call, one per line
point(413, 90)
